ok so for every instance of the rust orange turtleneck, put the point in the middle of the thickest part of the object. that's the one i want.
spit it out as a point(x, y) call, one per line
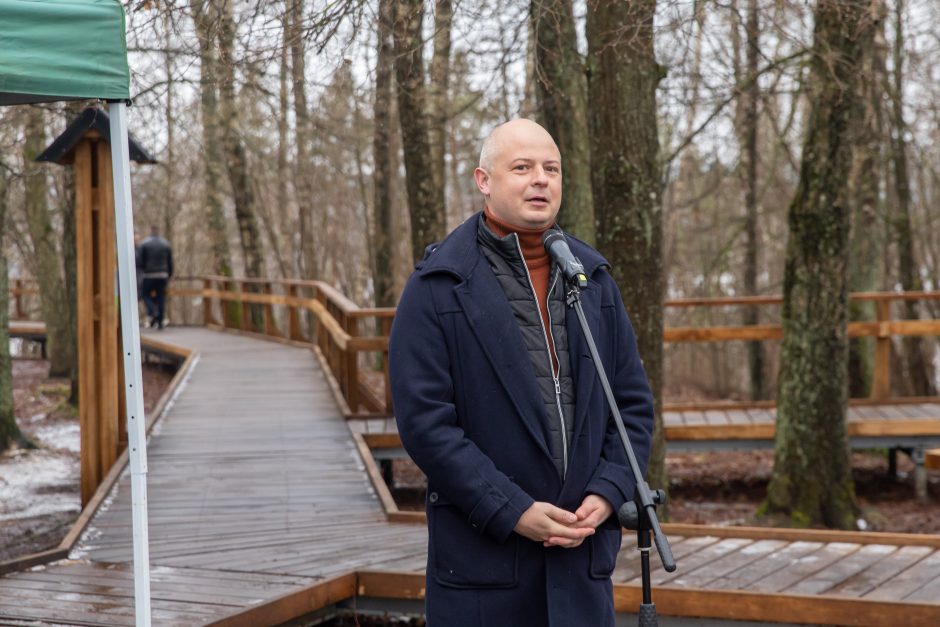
point(536, 260)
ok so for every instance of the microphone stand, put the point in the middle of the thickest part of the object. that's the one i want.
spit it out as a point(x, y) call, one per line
point(640, 513)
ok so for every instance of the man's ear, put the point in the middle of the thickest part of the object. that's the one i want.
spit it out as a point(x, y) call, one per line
point(482, 179)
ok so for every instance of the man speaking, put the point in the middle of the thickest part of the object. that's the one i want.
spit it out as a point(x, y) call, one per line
point(497, 401)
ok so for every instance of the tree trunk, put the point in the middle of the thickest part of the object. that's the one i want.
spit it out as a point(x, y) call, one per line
point(205, 20)
point(236, 159)
point(9, 430)
point(382, 172)
point(561, 86)
point(47, 260)
point(627, 179)
point(303, 168)
point(866, 238)
point(917, 361)
point(438, 96)
point(812, 476)
point(748, 102)
point(425, 196)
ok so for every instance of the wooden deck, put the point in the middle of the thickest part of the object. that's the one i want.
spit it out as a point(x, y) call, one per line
point(257, 492)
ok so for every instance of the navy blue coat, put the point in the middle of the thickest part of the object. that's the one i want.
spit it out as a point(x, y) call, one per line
point(470, 415)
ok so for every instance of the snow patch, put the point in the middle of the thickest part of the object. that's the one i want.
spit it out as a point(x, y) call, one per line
point(36, 483)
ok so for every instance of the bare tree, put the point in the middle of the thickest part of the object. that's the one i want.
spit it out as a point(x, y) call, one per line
point(9, 430)
point(917, 362)
point(867, 230)
point(236, 158)
point(812, 479)
point(425, 195)
point(47, 259)
point(206, 21)
point(627, 181)
point(561, 86)
point(381, 157)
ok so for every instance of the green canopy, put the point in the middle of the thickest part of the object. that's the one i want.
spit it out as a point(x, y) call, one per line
point(62, 50)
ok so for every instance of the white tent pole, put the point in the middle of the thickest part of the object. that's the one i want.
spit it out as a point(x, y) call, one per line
point(130, 334)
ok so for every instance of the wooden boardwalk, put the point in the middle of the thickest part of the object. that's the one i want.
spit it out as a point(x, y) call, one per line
point(256, 490)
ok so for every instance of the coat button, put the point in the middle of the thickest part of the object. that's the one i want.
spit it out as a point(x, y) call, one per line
point(432, 497)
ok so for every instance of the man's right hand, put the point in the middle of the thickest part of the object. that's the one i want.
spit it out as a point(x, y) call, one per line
point(543, 522)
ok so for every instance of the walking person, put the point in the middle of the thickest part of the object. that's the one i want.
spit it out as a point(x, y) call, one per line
point(156, 267)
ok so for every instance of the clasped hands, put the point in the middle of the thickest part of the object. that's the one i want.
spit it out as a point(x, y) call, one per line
point(553, 526)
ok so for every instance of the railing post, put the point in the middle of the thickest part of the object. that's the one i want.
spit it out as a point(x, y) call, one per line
point(270, 328)
point(228, 306)
point(18, 299)
point(207, 317)
point(351, 326)
point(386, 331)
point(881, 384)
point(293, 317)
point(245, 307)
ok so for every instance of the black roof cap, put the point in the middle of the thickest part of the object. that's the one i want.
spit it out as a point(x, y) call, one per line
point(90, 118)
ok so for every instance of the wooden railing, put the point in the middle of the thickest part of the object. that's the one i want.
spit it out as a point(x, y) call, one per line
point(353, 341)
point(22, 293)
point(312, 313)
point(883, 328)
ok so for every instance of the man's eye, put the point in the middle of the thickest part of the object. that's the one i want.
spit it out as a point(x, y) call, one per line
point(521, 167)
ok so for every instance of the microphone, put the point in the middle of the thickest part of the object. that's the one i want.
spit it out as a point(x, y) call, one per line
point(557, 248)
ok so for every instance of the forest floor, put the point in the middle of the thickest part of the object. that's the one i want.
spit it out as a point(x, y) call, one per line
point(726, 488)
point(39, 488)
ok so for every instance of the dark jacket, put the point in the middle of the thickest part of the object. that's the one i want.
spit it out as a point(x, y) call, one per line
point(471, 416)
point(156, 258)
point(508, 264)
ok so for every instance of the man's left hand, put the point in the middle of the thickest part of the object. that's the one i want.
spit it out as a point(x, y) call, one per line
point(594, 510)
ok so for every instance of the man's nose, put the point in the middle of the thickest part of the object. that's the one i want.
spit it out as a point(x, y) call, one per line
point(541, 176)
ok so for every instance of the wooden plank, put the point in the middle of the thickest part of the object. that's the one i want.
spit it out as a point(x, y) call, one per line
point(867, 580)
point(908, 581)
point(700, 578)
point(768, 565)
point(293, 604)
point(836, 573)
point(804, 566)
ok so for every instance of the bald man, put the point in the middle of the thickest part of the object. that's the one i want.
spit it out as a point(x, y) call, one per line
point(497, 402)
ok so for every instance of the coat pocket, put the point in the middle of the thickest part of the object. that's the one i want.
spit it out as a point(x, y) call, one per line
point(463, 558)
point(605, 544)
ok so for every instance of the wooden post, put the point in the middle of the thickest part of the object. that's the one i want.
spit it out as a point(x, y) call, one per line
point(881, 384)
point(244, 307)
point(228, 306)
point(386, 331)
point(207, 317)
point(293, 317)
point(351, 356)
point(18, 299)
point(270, 328)
point(97, 327)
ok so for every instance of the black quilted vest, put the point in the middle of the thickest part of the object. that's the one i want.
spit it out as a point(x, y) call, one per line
point(505, 259)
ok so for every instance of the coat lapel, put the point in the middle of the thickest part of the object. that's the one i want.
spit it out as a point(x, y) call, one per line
point(492, 322)
point(585, 374)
